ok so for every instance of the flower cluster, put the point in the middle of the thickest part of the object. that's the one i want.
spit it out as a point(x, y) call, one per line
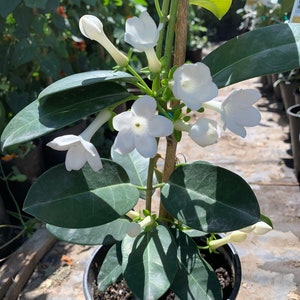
point(139, 127)
point(97, 200)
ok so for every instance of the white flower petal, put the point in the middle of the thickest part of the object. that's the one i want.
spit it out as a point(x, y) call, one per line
point(141, 33)
point(193, 85)
point(144, 107)
point(122, 121)
point(91, 27)
point(238, 111)
point(124, 142)
point(261, 228)
point(75, 158)
point(94, 161)
point(160, 126)
point(63, 143)
point(205, 132)
point(146, 146)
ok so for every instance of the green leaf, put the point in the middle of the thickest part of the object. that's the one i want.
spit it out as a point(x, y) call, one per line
point(218, 7)
point(136, 167)
point(210, 198)
point(111, 268)
point(99, 235)
point(200, 280)
point(7, 7)
point(36, 3)
point(60, 110)
point(25, 51)
point(82, 198)
point(267, 50)
point(149, 262)
point(66, 107)
point(77, 81)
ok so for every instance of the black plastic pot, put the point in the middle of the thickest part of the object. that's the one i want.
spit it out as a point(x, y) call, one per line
point(294, 116)
point(227, 258)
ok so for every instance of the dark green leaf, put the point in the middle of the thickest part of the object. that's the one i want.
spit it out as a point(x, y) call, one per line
point(36, 3)
point(69, 106)
point(210, 198)
point(136, 167)
point(267, 50)
point(7, 7)
point(61, 109)
point(80, 199)
point(111, 268)
point(84, 79)
point(99, 235)
point(25, 51)
point(200, 280)
point(149, 262)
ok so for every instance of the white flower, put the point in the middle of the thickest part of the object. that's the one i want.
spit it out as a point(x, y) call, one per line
point(193, 85)
point(79, 149)
point(139, 127)
point(236, 236)
point(237, 111)
point(142, 34)
point(134, 229)
point(92, 28)
point(258, 228)
point(205, 132)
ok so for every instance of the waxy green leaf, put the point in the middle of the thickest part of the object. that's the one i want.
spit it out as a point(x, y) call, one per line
point(136, 167)
point(210, 198)
point(148, 262)
point(106, 234)
point(63, 103)
point(111, 268)
point(256, 53)
point(201, 280)
point(82, 198)
point(218, 7)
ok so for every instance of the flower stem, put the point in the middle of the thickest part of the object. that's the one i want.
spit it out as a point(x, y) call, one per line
point(150, 183)
point(170, 159)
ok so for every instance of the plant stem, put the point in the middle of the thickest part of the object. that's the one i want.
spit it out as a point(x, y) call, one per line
point(170, 36)
point(13, 198)
point(179, 59)
point(163, 20)
point(150, 183)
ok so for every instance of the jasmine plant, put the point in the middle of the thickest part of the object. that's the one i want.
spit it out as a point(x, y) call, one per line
point(89, 200)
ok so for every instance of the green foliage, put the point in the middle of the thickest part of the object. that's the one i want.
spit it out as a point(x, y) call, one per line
point(106, 234)
point(104, 196)
point(151, 255)
point(235, 61)
point(208, 198)
point(218, 7)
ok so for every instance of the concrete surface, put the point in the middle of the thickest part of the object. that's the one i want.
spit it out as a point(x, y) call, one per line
point(270, 263)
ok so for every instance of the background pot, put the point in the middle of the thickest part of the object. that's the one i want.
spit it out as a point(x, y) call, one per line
point(228, 257)
point(294, 116)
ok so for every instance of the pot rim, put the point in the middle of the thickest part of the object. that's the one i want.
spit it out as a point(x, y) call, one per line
point(228, 251)
point(292, 110)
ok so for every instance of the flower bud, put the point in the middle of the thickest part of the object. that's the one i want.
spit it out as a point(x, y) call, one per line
point(261, 228)
point(133, 229)
point(92, 28)
point(235, 236)
point(205, 132)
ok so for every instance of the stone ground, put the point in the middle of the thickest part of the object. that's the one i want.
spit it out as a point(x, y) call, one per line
point(270, 263)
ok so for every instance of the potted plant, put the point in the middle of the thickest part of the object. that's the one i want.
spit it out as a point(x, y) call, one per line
point(89, 200)
point(294, 116)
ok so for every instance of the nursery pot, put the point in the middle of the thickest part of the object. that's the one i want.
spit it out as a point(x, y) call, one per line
point(294, 115)
point(227, 259)
point(287, 91)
